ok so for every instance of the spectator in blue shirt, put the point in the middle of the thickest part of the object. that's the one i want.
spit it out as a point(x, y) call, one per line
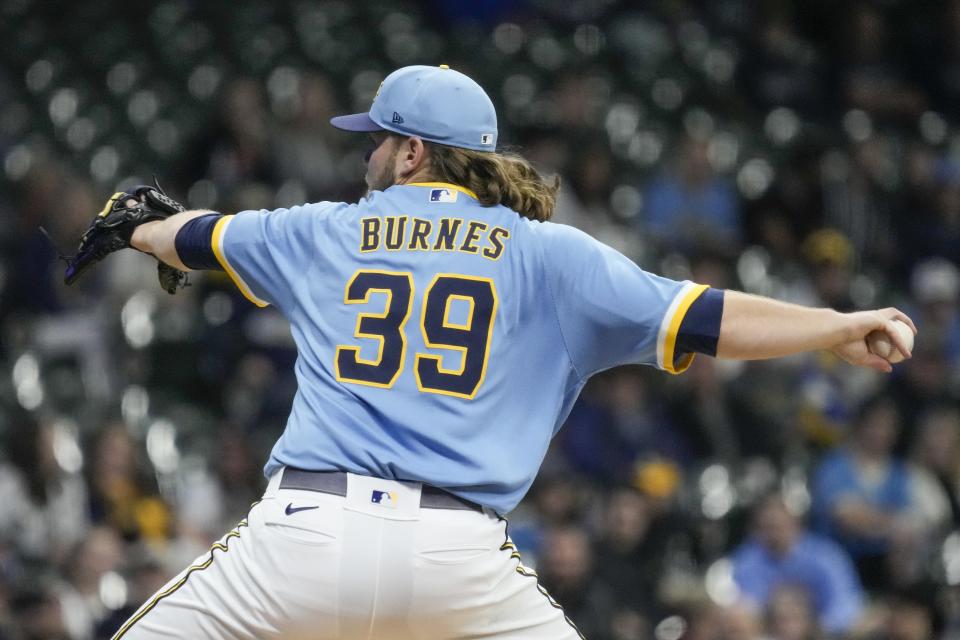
point(781, 554)
point(689, 207)
point(861, 492)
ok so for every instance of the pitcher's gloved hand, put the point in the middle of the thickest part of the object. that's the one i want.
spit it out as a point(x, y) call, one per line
point(111, 230)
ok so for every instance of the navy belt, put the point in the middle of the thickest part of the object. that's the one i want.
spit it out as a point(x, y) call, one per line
point(335, 483)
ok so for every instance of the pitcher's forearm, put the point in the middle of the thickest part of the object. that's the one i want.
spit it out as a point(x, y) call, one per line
point(754, 328)
point(159, 237)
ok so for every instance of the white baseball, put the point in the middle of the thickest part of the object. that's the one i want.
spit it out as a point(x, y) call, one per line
point(880, 344)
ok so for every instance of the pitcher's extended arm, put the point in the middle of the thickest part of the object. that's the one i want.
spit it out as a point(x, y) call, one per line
point(753, 328)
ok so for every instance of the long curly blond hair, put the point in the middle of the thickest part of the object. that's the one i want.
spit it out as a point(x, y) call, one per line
point(497, 178)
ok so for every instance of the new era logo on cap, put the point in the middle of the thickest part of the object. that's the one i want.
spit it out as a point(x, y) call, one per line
point(384, 499)
point(397, 118)
point(486, 138)
point(443, 195)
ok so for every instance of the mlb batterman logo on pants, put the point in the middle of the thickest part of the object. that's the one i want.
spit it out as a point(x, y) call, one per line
point(384, 499)
point(444, 329)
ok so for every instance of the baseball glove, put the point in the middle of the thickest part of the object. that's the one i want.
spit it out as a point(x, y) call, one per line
point(112, 228)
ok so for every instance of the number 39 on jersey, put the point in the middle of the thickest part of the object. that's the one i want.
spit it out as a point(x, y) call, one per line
point(441, 335)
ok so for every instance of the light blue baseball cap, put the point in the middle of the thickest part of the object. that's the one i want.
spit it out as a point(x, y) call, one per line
point(437, 104)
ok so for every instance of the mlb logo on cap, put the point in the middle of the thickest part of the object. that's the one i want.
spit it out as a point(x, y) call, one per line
point(443, 195)
point(384, 499)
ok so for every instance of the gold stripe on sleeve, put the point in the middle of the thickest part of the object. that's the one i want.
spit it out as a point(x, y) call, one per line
point(217, 242)
point(674, 329)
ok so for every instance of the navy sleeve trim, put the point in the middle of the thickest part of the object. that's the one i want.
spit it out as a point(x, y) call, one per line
point(194, 243)
point(700, 329)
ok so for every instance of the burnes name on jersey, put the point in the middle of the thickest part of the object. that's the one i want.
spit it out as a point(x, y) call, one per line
point(395, 233)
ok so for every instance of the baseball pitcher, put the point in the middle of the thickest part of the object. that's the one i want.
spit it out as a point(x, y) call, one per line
point(444, 328)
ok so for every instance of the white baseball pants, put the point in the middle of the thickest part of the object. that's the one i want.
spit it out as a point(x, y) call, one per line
point(311, 565)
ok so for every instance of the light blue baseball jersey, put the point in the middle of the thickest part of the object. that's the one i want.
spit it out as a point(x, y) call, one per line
point(439, 340)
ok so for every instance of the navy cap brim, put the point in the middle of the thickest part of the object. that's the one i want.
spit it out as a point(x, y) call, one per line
point(355, 122)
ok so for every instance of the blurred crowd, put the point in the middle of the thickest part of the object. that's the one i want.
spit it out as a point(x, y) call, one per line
point(803, 150)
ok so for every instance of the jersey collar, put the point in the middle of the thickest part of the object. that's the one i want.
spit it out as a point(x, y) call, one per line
point(444, 185)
